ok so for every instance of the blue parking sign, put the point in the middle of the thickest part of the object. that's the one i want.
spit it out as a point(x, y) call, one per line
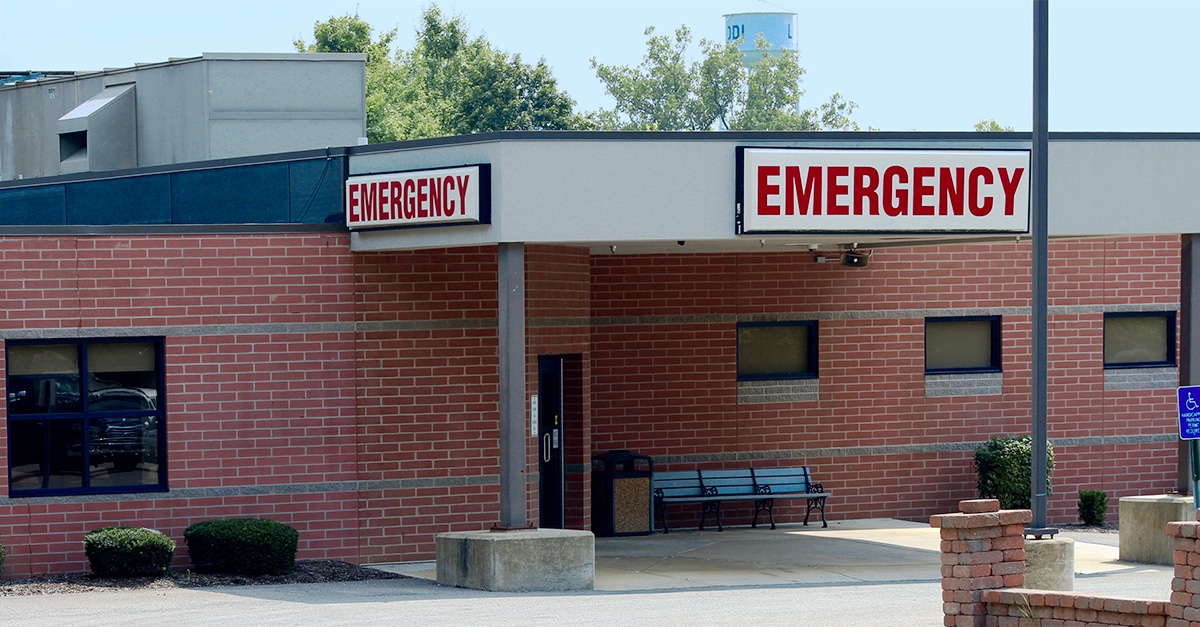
point(1189, 412)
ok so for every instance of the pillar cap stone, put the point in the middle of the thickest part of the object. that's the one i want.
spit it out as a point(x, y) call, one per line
point(979, 506)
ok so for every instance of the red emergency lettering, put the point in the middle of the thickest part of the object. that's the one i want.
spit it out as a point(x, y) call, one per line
point(981, 205)
point(921, 191)
point(463, 181)
point(951, 182)
point(1010, 187)
point(353, 204)
point(802, 194)
point(766, 190)
point(835, 190)
point(866, 191)
point(895, 193)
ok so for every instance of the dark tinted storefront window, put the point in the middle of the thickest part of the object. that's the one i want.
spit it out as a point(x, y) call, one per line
point(85, 417)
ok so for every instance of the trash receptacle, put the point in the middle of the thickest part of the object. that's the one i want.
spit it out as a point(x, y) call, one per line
point(621, 501)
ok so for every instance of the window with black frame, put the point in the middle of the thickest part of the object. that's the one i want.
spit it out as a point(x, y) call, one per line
point(85, 417)
point(962, 344)
point(776, 350)
point(1143, 339)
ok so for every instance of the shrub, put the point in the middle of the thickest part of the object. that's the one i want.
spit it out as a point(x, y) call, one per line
point(2, 554)
point(1003, 466)
point(1093, 506)
point(128, 551)
point(242, 546)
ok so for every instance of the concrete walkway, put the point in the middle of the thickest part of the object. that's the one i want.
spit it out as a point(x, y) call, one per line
point(853, 552)
point(853, 574)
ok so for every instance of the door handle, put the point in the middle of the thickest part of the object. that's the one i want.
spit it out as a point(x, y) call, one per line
point(546, 447)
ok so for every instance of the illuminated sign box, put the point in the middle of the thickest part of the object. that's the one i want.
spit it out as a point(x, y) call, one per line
point(460, 195)
point(788, 190)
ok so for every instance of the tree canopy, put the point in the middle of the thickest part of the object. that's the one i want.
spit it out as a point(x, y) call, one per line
point(448, 84)
point(667, 92)
point(992, 126)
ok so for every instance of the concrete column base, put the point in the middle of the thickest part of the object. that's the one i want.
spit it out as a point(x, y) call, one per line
point(1050, 564)
point(1144, 521)
point(527, 560)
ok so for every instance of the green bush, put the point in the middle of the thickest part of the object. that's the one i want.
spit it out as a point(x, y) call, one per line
point(1093, 506)
point(128, 551)
point(242, 546)
point(1003, 467)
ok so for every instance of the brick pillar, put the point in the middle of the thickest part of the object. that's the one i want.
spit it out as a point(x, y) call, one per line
point(1184, 609)
point(982, 548)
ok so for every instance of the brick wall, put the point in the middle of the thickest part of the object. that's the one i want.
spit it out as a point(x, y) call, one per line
point(259, 343)
point(556, 313)
point(428, 413)
point(664, 368)
point(983, 574)
point(355, 395)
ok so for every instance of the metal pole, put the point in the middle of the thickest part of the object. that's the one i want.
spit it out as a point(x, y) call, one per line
point(511, 319)
point(1189, 357)
point(1038, 222)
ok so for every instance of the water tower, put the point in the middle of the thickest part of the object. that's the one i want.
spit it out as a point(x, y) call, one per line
point(779, 29)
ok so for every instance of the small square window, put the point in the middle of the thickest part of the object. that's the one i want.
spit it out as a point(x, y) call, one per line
point(966, 344)
point(776, 350)
point(1139, 339)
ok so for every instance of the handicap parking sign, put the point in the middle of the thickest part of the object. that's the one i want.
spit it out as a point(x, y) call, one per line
point(1189, 412)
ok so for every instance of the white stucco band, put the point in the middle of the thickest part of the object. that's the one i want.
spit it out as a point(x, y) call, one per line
point(669, 192)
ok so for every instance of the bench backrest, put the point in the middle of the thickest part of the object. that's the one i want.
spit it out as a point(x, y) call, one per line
point(783, 480)
point(678, 483)
point(729, 482)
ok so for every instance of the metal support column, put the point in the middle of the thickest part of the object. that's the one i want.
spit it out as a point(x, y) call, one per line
point(511, 271)
point(1038, 225)
point(1189, 353)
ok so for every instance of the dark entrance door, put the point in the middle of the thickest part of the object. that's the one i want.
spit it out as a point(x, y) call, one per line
point(550, 440)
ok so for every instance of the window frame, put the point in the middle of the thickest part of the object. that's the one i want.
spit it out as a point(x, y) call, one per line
point(1172, 357)
point(84, 415)
point(812, 331)
point(996, 360)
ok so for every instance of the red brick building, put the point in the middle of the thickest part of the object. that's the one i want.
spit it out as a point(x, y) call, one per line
point(352, 384)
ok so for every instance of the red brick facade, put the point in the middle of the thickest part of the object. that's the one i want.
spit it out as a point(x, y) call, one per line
point(355, 395)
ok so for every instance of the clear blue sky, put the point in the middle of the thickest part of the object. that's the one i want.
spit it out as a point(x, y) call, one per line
point(931, 65)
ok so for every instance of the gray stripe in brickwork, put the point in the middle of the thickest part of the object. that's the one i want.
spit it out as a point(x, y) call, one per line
point(887, 314)
point(491, 323)
point(968, 384)
point(788, 391)
point(900, 449)
point(493, 480)
point(1141, 379)
point(326, 487)
point(176, 331)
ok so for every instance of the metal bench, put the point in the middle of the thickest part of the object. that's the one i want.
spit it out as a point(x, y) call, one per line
point(763, 487)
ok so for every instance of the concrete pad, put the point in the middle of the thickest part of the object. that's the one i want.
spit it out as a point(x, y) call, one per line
point(1143, 523)
point(847, 553)
point(526, 560)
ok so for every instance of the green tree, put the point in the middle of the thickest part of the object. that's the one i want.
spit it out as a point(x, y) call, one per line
point(448, 84)
point(667, 92)
point(991, 126)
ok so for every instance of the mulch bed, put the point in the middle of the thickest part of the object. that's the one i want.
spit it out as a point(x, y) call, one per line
point(307, 571)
